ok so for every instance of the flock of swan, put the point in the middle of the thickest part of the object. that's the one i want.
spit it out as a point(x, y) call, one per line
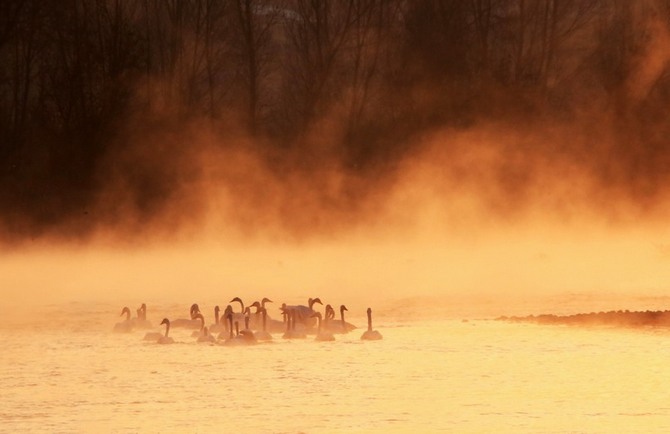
point(298, 321)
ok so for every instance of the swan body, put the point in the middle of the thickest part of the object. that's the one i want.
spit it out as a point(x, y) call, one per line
point(239, 338)
point(340, 326)
point(322, 335)
point(201, 332)
point(218, 325)
point(206, 337)
point(163, 340)
point(263, 335)
point(369, 334)
point(291, 331)
point(303, 314)
point(125, 326)
point(152, 336)
point(239, 316)
point(192, 323)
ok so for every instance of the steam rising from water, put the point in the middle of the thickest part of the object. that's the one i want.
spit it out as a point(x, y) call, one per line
point(497, 212)
point(521, 206)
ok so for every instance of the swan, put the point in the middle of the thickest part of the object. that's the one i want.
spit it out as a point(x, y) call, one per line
point(141, 320)
point(126, 325)
point(247, 332)
point(291, 332)
point(218, 325)
point(340, 326)
point(369, 334)
point(322, 334)
point(228, 312)
point(238, 316)
point(302, 313)
point(165, 339)
point(263, 335)
point(237, 338)
point(192, 323)
point(201, 332)
point(258, 320)
point(205, 336)
point(330, 313)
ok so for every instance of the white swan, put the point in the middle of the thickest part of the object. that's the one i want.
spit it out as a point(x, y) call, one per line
point(322, 334)
point(218, 325)
point(125, 326)
point(302, 315)
point(201, 332)
point(239, 338)
point(369, 334)
point(340, 326)
point(291, 331)
point(263, 335)
point(227, 331)
point(192, 323)
point(165, 339)
point(141, 320)
point(239, 316)
point(258, 320)
point(206, 337)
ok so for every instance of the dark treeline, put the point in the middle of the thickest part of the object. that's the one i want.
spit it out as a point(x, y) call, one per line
point(80, 78)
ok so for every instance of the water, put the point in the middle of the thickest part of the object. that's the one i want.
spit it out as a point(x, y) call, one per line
point(67, 372)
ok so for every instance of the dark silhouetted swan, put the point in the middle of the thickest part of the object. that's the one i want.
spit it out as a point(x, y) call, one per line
point(369, 334)
point(165, 339)
point(126, 325)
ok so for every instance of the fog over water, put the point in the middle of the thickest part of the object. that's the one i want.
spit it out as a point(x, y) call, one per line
point(459, 175)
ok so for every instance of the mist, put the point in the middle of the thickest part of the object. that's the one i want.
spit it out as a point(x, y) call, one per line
point(409, 170)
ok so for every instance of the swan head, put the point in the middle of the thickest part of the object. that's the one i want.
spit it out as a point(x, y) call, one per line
point(266, 300)
point(194, 310)
point(143, 306)
point(237, 299)
point(125, 311)
point(343, 308)
point(255, 304)
point(317, 300)
point(166, 322)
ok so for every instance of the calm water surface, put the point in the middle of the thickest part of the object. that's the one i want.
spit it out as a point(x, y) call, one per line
point(61, 372)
